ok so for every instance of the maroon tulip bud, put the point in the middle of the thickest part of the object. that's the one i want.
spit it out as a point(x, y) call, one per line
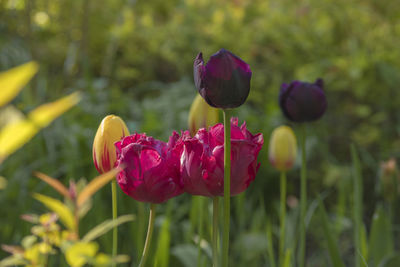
point(302, 101)
point(224, 82)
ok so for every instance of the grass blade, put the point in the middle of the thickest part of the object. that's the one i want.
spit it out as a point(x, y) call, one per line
point(332, 243)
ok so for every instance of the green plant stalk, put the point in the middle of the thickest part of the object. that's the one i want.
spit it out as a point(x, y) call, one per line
point(148, 236)
point(114, 216)
point(215, 231)
point(200, 229)
point(357, 210)
point(227, 187)
point(303, 197)
point(282, 219)
point(270, 248)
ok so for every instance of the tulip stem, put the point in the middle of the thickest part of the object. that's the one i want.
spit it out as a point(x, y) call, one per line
point(282, 219)
point(114, 216)
point(227, 186)
point(303, 197)
point(148, 236)
point(215, 231)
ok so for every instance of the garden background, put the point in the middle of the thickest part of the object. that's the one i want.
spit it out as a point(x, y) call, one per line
point(135, 59)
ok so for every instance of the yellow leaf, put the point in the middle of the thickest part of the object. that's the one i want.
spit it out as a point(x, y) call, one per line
point(95, 185)
point(65, 214)
point(16, 134)
point(46, 113)
point(77, 254)
point(53, 183)
point(13, 81)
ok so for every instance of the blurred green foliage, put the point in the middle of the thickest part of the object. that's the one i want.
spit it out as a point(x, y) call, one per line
point(134, 58)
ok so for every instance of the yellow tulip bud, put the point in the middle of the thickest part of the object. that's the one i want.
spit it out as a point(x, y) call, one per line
point(282, 148)
point(112, 129)
point(201, 115)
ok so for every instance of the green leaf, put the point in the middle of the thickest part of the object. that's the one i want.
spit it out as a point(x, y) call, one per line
point(187, 254)
point(391, 261)
point(287, 258)
point(65, 214)
point(163, 246)
point(13, 261)
point(106, 226)
point(332, 243)
point(381, 236)
point(13, 81)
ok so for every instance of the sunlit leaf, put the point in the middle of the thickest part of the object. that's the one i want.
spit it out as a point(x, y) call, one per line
point(53, 183)
point(13, 261)
point(12, 249)
point(95, 185)
point(13, 81)
point(78, 253)
point(106, 226)
point(10, 114)
point(16, 134)
point(65, 214)
point(46, 113)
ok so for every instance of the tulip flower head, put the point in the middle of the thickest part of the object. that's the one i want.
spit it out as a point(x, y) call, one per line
point(202, 160)
point(282, 148)
point(112, 129)
point(201, 115)
point(151, 172)
point(224, 82)
point(302, 101)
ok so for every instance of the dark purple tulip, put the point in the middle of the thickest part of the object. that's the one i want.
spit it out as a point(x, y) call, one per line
point(302, 101)
point(224, 82)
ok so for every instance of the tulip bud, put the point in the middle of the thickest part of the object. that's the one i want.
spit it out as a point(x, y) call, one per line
point(201, 115)
point(282, 148)
point(224, 82)
point(302, 101)
point(389, 179)
point(111, 129)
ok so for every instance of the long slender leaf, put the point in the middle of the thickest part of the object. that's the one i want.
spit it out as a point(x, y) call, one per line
point(95, 185)
point(163, 246)
point(19, 132)
point(65, 214)
point(332, 243)
point(381, 237)
point(13, 81)
point(53, 183)
point(357, 209)
point(106, 226)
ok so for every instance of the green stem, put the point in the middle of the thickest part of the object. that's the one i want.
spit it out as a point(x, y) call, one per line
point(148, 236)
point(114, 216)
point(215, 231)
point(303, 197)
point(282, 219)
point(200, 229)
point(227, 187)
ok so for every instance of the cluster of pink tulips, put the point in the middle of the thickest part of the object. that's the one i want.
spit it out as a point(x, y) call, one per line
point(214, 162)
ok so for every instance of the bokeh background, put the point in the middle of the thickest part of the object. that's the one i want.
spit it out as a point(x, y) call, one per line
point(135, 59)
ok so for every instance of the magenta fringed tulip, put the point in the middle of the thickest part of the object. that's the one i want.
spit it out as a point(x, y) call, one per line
point(151, 171)
point(202, 160)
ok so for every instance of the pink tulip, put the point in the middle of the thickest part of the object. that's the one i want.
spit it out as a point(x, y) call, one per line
point(151, 171)
point(202, 160)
